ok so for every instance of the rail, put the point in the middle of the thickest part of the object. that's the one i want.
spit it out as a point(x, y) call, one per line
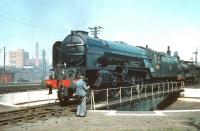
point(121, 94)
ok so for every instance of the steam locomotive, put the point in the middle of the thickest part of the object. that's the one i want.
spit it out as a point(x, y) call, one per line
point(191, 71)
point(107, 64)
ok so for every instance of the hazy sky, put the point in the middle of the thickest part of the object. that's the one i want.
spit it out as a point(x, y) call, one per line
point(156, 23)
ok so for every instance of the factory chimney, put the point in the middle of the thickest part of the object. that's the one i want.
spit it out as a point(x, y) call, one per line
point(168, 50)
point(36, 55)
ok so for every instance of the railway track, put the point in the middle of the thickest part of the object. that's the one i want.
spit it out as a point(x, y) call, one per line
point(34, 113)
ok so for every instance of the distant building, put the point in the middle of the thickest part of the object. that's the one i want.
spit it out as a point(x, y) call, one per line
point(18, 58)
point(32, 62)
point(25, 69)
point(8, 77)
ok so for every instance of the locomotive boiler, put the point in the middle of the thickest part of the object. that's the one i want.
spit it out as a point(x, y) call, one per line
point(106, 64)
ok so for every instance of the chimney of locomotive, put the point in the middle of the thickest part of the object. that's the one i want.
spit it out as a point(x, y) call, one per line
point(147, 47)
point(72, 32)
point(168, 50)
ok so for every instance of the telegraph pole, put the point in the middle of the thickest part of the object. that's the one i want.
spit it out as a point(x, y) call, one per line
point(4, 64)
point(95, 30)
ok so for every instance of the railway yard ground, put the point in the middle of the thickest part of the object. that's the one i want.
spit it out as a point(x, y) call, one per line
point(182, 115)
point(19, 87)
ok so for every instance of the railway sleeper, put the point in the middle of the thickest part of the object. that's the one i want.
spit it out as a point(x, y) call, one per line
point(30, 116)
point(42, 114)
point(3, 115)
point(52, 113)
point(17, 119)
point(4, 122)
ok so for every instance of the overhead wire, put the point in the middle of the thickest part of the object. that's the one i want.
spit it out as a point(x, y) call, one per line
point(30, 24)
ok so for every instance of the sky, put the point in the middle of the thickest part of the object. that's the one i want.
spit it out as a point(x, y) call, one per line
point(156, 23)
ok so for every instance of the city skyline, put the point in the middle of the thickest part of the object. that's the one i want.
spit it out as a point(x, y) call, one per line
point(21, 57)
point(156, 23)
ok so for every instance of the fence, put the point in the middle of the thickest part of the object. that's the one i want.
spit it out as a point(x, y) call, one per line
point(121, 94)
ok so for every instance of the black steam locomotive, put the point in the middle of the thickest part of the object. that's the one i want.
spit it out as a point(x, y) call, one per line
point(107, 64)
